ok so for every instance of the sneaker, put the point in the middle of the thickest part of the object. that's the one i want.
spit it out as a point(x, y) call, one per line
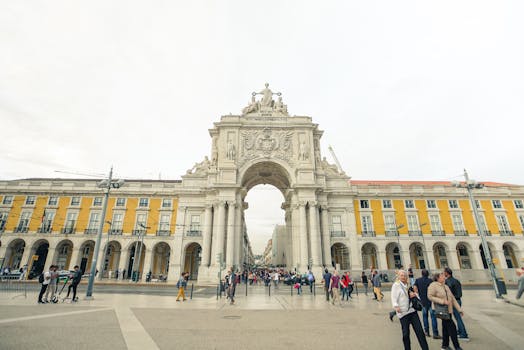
point(391, 315)
point(427, 334)
point(466, 339)
point(437, 337)
point(445, 348)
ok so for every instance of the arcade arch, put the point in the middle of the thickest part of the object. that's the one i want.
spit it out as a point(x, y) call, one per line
point(440, 255)
point(369, 256)
point(192, 258)
point(340, 256)
point(160, 264)
point(511, 255)
point(86, 256)
point(393, 257)
point(39, 249)
point(14, 253)
point(63, 252)
point(417, 254)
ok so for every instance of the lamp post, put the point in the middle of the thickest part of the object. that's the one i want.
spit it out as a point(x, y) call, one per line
point(140, 252)
point(426, 258)
point(107, 185)
point(469, 185)
point(398, 243)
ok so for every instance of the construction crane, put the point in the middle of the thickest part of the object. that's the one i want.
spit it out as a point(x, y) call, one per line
point(336, 159)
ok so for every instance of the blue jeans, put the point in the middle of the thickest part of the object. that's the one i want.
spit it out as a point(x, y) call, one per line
point(461, 329)
point(434, 326)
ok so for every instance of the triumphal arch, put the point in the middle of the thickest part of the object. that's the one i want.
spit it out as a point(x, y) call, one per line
point(264, 145)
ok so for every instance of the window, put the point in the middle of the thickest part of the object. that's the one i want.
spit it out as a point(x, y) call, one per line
point(52, 201)
point(389, 223)
point(518, 204)
point(143, 202)
point(70, 221)
point(413, 223)
point(364, 204)
point(7, 200)
point(503, 223)
point(3, 220)
point(336, 223)
point(195, 223)
point(453, 204)
point(431, 204)
point(457, 222)
point(47, 220)
point(409, 204)
point(30, 200)
point(164, 222)
point(141, 221)
point(120, 202)
point(477, 203)
point(434, 220)
point(94, 221)
point(25, 217)
point(482, 223)
point(367, 225)
point(521, 218)
point(117, 222)
point(167, 202)
point(386, 204)
point(97, 201)
point(496, 204)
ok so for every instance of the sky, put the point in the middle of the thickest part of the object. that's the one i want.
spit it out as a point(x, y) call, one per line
point(404, 90)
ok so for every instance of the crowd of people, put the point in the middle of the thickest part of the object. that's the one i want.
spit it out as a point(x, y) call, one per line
point(49, 284)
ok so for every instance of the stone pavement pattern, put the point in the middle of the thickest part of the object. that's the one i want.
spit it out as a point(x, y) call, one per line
point(120, 321)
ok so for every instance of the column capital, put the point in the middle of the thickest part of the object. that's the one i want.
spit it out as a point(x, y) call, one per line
point(313, 203)
point(323, 207)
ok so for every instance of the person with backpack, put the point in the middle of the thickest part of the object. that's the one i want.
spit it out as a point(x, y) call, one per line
point(75, 281)
point(44, 279)
point(181, 285)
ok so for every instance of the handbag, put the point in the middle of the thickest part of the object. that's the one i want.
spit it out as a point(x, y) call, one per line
point(416, 303)
point(441, 310)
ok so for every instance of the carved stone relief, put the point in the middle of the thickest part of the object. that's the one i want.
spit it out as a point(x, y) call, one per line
point(266, 143)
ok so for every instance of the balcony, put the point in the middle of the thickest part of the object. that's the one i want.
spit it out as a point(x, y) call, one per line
point(115, 231)
point(438, 233)
point(414, 232)
point(486, 233)
point(391, 233)
point(194, 233)
point(163, 232)
point(368, 234)
point(338, 233)
point(68, 230)
point(461, 233)
point(507, 233)
point(90, 231)
point(138, 232)
point(21, 229)
point(45, 229)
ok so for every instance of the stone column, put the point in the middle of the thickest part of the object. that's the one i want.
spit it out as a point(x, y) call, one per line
point(296, 236)
point(206, 241)
point(315, 235)
point(238, 235)
point(475, 256)
point(219, 244)
point(289, 242)
point(148, 256)
point(122, 262)
point(304, 254)
point(49, 259)
point(230, 256)
point(3, 251)
point(74, 258)
point(25, 256)
point(382, 260)
point(431, 264)
point(326, 237)
point(499, 254)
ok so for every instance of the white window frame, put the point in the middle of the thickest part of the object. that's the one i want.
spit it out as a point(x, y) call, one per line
point(436, 225)
point(390, 223)
point(71, 219)
point(141, 218)
point(431, 201)
point(167, 202)
point(521, 219)
point(141, 201)
point(482, 224)
point(48, 218)
point(390, 205)
point(455, 204)
point(362, 201)
point(117, 223)
point(502, 222)
point(7, 200)
point(25, 219)
point(367, 226)
point(496, 203)
point(118, 199)
point(195, 222)
point(94, 220)
point(75, 201)
point(457, 225)
point(518, 204)
point(164, 225)
point(3, 219)
point(100, 199)
point(30, 200)
point(336, 223)
point(52, 201)
point(409, 203)
point(412, 221)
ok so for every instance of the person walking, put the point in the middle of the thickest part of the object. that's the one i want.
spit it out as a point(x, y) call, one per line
point(421, 287)
point(520, 274)
point(51, 288)
point(400, 300)
point(75, 281)
point(411, 275)
point(311, 281)
point(326, 278)
point(377, 286)
point(440, 293)
point(334, 286)
point(344, 287)
point(364, 280)
point(45, 279)
point(456, 288)
point(181, 285)
point(231, 285)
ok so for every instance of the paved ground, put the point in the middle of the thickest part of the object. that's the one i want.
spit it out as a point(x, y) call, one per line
point(258, 321)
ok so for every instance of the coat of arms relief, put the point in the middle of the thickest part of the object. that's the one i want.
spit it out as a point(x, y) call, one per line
point(266, 143)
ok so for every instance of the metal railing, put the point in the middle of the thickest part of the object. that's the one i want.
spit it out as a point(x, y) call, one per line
point(338, 233)
point(115, 231)
point(194, 233)
point(12, 286)
point(414, 232)
point(438, 233)
point(68, 230)
point(21, 229)
point(163, 232)
point(45, 229)
point(392, 233)
point(368, 233)
point(506, 233)
point(138, 232)
point(90, 231)
point(461, 233)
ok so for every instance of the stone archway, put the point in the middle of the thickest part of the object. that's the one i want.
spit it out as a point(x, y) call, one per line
point(417, 254)
point(483, 255)
point(112, 253)
point(63, 252)
point(39, 252)
point(393, 256)
point(340, 256)
point(160, 264)
point(369, 256)
point(511, 255)
point(86, 256)
point(14, 254)
point(440, 254)
point(192, 260)
point(463, 253)
point(135, 262)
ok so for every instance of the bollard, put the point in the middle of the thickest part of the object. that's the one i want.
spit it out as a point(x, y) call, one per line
point(314, 289)
point(246, 288)
point(218, 288)
point(191, 294)
point(356, 286)
point(291, 289)
point(269, 289)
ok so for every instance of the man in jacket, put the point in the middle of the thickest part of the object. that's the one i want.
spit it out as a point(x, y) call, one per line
point(456, 288)
point(377, 286)
point(77, 277)
point(421, 287)
point(400, 300)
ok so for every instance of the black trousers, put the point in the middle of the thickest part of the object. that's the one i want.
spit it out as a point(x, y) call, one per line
point(413, 320)
point(42, 291)
point(72, 285)
point(449, 330)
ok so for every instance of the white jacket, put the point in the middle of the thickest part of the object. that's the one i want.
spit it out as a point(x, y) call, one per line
point(400, 297)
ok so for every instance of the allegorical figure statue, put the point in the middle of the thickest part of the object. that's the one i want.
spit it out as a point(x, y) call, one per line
point(267, 96)
point(230, 150)
point(252, 107)
point(303, 152)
